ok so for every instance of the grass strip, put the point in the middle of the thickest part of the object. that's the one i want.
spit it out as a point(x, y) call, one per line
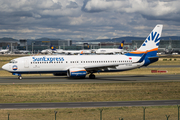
point(109, 113)
point(31, 93)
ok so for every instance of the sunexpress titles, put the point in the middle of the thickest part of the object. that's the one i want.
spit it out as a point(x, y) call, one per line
point(43, 59)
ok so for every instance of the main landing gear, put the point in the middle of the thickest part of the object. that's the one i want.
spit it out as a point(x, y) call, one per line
point(92, 76)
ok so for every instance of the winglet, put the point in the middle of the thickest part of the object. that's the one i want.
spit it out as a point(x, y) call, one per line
point(81, 52)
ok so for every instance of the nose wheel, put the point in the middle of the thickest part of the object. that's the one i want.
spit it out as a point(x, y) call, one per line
point(92, 76)
point(20, 77)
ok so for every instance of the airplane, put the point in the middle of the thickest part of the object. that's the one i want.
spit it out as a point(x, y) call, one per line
point(3, 51)
point(72, 52)
point(22, 51)
point(67, 52)
point(46, 51)
point(78, 66)
point(86, 51)
point(111, 50)
point(51, 50)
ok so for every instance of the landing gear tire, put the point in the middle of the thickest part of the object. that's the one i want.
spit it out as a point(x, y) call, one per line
point(20, 77)
point(92, 76)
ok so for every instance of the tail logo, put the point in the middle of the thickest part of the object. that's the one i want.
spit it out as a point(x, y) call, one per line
point(153, 37)
point(122, 44)
point(52, 47)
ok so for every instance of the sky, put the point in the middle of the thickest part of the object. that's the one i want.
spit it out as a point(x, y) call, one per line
point(87, 19)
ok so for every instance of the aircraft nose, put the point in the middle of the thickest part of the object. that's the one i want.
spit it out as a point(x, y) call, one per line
point(5, 67)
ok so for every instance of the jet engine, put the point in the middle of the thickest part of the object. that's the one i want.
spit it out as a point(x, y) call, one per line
point(77, 72)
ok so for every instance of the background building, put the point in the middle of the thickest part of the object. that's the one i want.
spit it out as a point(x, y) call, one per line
point(166, 46)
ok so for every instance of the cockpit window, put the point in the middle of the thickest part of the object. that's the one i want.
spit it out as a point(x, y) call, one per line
point(13, 61)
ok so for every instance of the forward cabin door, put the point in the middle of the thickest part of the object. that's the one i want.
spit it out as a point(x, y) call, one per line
point(26, 63)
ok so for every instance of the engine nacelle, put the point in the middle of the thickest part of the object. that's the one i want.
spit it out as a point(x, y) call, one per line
point(76, 72)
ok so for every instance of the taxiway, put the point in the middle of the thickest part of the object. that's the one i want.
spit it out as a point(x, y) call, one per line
point(99, 79)
point(88, 104)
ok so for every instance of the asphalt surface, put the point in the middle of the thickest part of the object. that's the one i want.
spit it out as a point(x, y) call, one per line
point(99, 79)
point(88, 104)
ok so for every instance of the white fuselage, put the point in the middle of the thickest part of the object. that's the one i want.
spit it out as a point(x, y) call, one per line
point(57, 63)
point(74, 51)
point(46, 51)
point(4, 50)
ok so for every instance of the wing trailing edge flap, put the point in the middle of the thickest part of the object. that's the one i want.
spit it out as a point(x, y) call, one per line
point(100, 67)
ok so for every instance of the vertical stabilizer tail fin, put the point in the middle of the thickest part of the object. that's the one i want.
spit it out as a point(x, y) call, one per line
point(52, 48)
point(7, 48)
point(151, 44)
point(152, 41)
point(121, 45)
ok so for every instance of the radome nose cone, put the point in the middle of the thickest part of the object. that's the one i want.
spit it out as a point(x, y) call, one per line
point(5, 67)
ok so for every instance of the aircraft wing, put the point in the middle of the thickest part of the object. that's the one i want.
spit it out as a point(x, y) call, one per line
point(113, 65)
point(103, 67)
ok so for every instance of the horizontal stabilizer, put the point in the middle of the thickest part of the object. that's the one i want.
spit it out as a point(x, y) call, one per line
point(152, 58)
point(142, 58)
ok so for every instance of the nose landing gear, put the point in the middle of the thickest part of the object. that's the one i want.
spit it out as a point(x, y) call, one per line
point(20, 77)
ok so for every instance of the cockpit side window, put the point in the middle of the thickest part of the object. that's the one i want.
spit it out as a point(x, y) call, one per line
point(13, 61)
